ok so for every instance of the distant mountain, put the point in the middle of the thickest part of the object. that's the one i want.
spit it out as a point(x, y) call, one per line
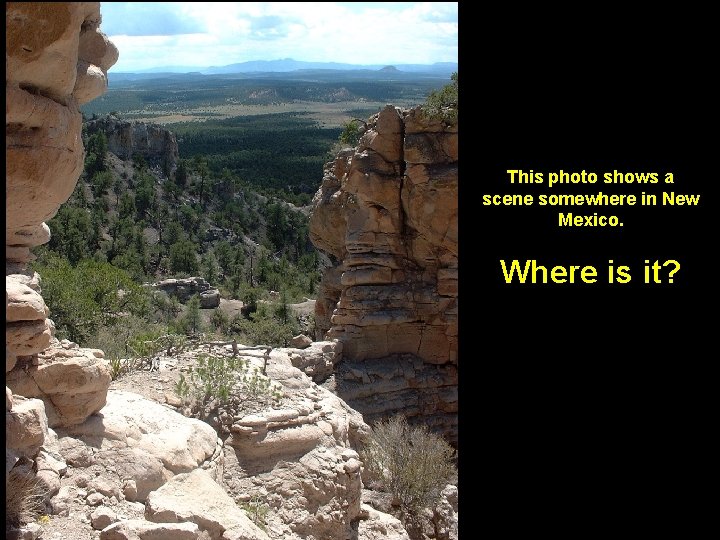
point(288, 64)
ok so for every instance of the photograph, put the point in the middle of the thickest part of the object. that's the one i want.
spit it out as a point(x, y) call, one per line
point(232, 272)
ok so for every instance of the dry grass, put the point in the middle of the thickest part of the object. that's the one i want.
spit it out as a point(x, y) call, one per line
point(410, 462)
point(24, 499)
point(327, 114)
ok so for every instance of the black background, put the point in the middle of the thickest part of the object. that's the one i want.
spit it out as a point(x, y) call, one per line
point(584, 407)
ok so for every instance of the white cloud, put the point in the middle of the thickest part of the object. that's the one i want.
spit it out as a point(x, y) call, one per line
point(379, 33)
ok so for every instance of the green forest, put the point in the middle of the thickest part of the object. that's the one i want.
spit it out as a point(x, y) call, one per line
point(279, 154)
point(126, 224)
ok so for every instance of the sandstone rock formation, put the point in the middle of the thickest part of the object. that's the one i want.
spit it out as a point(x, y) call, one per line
point(380, 526)
point(56, 60)
point(72, 381)
point(26, 428)
point(139, 529)
point(296, 459)
point(126, 139)
point(299, 459)
point(184, 289)
point(301, 341)
point(196, 498)
point(386, 214)
point(316, 360)
point(143, 443)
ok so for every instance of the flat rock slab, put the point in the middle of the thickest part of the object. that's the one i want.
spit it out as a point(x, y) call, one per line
point(139, 529)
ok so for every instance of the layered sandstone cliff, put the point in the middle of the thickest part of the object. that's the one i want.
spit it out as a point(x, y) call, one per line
point(56, 59)
point(154, 143)
point(386, 213)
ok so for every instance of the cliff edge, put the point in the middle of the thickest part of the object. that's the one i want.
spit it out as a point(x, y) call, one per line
point(386, 214)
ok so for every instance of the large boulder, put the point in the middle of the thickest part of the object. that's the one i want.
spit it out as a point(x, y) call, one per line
point(72, 381)
point(316, 359)
point(195, 497)
point(210, 299)
point(145, 443)
point(376, 525)
point(24, 303)
point(26, 426)
point(184, 289)
point(300, 341)
point(139, 529)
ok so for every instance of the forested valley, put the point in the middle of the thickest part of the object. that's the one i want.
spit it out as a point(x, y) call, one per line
point(234, 211)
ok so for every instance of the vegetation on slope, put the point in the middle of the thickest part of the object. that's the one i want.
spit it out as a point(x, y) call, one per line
point(233, 212)
point(127, 223)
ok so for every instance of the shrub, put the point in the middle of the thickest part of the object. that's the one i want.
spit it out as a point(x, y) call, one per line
point(24, 499)
point(264, 330)
point(183, 257)
point(257, 511)
point(409, 462)
point(92, 295)
point(219, 378)
point(443, 104)
point(220, 320)
point(191, 322)
point(214, 377)
point(351, 133)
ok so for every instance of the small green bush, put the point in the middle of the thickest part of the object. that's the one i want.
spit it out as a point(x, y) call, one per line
point(257, 511)
point(191, 322)
point(220, 378)
point(409, 462)
point(351, 133)
point(214, 377)
point(220, 320)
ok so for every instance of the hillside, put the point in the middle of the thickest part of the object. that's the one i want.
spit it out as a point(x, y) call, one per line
point(147, 212)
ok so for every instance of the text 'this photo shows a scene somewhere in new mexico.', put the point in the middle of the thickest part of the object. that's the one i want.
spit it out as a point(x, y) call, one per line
point(231, 271)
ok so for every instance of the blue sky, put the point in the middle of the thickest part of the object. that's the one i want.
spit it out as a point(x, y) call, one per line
point(156, 34)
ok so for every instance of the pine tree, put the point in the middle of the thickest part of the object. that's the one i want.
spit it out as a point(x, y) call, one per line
point(192, 319)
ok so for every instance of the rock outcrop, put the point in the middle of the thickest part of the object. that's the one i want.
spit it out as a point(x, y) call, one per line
point(56, 60)
point(380, 526)
point(299, 459)
point(196, 498)
point(72, 381)
point(386, 214)
point(140, 445)
point(184, 289)
point(316, 360)
point(154, 143)
point(295, 460)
